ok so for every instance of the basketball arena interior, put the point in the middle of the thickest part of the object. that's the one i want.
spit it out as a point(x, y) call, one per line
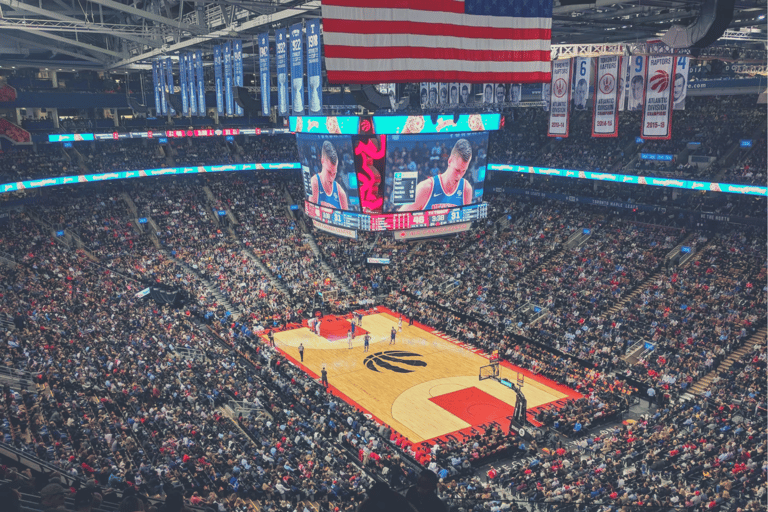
point(408, 256)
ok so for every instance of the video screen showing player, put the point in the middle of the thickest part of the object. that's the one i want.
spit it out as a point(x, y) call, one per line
point(328, 170)
point(431, 172)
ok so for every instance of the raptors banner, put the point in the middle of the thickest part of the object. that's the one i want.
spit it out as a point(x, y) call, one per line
point(281, 55)
point(266, 82)
point(191, 84)
point(156, 87)
point(657, 114)
point(183, 84)
point(605, 114)
point(623, 81)
point(560, 104)
point(217, 73)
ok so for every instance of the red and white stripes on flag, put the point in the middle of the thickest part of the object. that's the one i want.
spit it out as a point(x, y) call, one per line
point(437, 41)
point(560, 103)
point(605, 114)
point(657, 114)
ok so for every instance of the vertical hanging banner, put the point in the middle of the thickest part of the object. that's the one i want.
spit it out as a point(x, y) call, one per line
point(183, 84)
point(218, 78)
point(281, 51)
point(156, 87)
point(560, 104)
point(227, 50)
point(636, 82)
point(680, 84)
point(161, 85)
point(169, 80)
point(264, 71)
point(623, 81)
point(314, 70)
point(191, 85)
point(605, 114)
point(657, 114)
point(237, 68)
point(297, 68)
point(582, 79)
point(200, 83)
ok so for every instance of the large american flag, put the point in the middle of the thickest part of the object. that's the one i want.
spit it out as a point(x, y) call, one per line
point(478, 41)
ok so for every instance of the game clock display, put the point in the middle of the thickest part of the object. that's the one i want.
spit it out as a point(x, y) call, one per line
point(396, 221)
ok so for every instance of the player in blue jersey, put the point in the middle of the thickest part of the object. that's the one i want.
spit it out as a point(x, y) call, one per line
point(325, 190)
point(449, 189)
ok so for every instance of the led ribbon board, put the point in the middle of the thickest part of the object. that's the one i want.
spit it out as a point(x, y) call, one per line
point(705, 186)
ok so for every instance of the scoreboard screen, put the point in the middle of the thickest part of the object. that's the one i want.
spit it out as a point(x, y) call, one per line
point(395, 221)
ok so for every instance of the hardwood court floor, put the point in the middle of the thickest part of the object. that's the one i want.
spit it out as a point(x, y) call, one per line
point(436, 367)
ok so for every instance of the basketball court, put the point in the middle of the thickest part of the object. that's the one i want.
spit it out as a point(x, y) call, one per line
point(424, 386)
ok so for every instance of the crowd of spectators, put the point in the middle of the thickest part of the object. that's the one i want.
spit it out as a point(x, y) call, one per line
point(133, 394)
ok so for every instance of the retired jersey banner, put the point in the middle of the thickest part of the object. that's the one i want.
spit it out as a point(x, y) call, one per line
point(314, 67)
point(636, 82)
point(237, 70)
point(680, 85)
point(657, 115)
point(281, 50)
point(183, 84)
point(200, 82)
point(623, 81)
point(605, 114)
point(581, 80)
point(297, 68)
point(219, 80)
point(560, 103)
point(156, 87)
point(191, 84)
point(264, 72)
point(227, 50)
point(169, 79)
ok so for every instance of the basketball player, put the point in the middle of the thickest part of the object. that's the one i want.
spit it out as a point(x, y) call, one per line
point(392, 336)
point(448, 189)
point(349, 338)
point(400, 324)
point(317, 327)
point(325, 190)
point(366, 342)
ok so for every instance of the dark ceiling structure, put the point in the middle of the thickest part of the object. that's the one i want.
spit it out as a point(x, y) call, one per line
point(125, 35)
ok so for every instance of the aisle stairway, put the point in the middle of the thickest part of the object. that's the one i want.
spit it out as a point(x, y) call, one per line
point(212, 289)
point(327, 269)
point(759, 338)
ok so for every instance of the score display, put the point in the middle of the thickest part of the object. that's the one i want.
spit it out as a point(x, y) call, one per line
point(395, 221)
point(404, 187)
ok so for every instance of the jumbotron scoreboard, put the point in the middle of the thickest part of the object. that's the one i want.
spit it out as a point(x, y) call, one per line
point(410, 175)
point(393, 221)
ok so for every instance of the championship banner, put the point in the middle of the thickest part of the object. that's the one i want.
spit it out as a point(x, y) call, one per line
point(191, 84)
point(264, 72)
point(281, 51)
point(297, 68)
point(623, 81)
point(183, 84)
point(680, 83)
point(227, 49)
point(169, 80)
point(200, 83)
point(605, 114)
point(657, 115)
point(219, 80)
point(636, 82)
point(237, 65)
point(560, 104)
point(156, 87)
point(314, 70)
point(581, 80)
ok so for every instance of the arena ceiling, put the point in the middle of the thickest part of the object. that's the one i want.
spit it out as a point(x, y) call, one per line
point(120, 35)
